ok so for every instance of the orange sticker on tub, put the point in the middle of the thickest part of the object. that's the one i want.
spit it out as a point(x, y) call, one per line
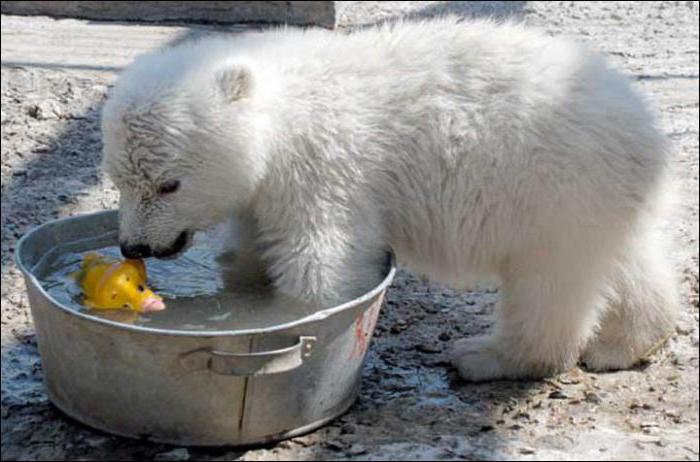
point(364, 327)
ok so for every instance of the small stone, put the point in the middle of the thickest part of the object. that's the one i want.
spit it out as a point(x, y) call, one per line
point(675, 416)
point(569, 380)
point(347, 429)
point(34, 111)
point(94, 441)
point(301, 441)
point(560, 442)
point(429, 348)
point(444, 336)
point(397, 387)
point(527, 450)
point(399, 326)
point(334, 445)
point(557, 394)
point(357, 449)
point(43, 110)
point(437, 362)
point(175, 454)
point(591, 397)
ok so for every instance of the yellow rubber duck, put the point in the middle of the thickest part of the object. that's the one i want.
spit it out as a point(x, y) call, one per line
point(112, 285)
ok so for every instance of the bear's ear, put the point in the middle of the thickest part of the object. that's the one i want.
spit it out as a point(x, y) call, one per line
point(235, 82)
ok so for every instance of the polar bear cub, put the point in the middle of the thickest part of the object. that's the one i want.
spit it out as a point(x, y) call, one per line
point(472, 149)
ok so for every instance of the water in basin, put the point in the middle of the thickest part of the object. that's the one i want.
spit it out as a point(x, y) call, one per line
point(196, 288)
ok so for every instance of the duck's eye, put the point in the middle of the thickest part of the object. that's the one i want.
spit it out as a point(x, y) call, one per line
point(168, 187)
point(114, 295)
point(125, 305)
point(141, 288)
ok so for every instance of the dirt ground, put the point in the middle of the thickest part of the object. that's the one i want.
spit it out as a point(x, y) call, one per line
point(55, 75)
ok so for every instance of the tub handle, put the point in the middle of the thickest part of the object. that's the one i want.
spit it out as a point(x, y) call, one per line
point(249, 364)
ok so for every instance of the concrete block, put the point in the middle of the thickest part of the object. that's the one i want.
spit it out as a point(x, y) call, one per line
point(321, 13)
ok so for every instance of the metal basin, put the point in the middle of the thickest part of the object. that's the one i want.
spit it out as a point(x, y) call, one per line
point(232, 387)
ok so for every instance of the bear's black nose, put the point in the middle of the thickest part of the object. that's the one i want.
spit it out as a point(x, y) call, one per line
point(135, 251)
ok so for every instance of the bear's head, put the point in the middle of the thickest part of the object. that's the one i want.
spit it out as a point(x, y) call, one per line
point(182, 143)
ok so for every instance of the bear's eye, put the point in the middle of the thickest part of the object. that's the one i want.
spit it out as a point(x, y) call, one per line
point(168, 187)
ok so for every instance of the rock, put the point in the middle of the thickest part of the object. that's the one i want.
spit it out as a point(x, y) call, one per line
point(429, 348)
point(34, 111)
point(334, 445)
point(557, 394)
point(175, 454)
point(94, 441)
point(569, 380)
point(357, 449)
point(644, 406)
point(396, 387)
point(591, 397)
point(559, 442)
point(437, 362)
point(43, 110)
point(527, 450)
point(399, 326)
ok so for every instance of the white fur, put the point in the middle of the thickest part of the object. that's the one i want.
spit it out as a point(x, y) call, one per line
point(472, 149)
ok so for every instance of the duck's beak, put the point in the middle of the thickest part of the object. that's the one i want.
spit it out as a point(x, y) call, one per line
point(152, 304)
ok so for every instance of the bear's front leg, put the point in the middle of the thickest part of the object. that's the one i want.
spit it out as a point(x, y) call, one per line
point(242, 263)
point(327, 265)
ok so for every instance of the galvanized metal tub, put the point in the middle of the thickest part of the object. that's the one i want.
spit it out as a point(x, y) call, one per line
point(191, 387)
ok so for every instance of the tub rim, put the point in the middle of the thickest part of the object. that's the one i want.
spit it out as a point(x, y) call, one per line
point(311, 318)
